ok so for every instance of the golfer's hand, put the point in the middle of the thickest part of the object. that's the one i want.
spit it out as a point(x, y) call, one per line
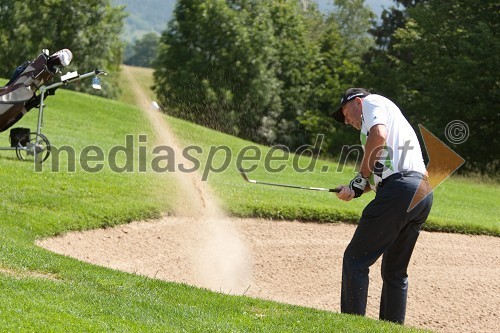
point(358, 185)
point(345, 193)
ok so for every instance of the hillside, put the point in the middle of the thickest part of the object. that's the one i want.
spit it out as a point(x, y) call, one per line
point(153, 15)
point(145, 16)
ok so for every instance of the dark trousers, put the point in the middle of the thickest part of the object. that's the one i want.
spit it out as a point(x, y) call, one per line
point(386, 228)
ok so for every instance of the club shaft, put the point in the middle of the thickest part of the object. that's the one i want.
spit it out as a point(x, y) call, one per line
point(287, 185)
point(297, 187)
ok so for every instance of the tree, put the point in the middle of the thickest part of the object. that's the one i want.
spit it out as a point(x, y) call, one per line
point(90, 29)
point(268, 71)
point(380, 64)
point(295, 68)
point(454, 73)
point(392, 19)
point(354, 20)
point(238, 66)
point(343, 38)
point(144, 51)
point(212, 66)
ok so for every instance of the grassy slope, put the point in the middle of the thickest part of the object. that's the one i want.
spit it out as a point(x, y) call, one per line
point(41, 291)
point(460, 205)
point(464, 205)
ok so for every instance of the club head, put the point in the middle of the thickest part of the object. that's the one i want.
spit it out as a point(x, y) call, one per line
point(64, 56)
point(243, 174)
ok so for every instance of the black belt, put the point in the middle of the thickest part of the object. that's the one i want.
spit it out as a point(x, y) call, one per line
point(401, 174)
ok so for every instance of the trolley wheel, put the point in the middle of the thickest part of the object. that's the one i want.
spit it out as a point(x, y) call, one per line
point(33, 147)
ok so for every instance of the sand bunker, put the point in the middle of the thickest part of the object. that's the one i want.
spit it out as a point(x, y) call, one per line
point(454, 279)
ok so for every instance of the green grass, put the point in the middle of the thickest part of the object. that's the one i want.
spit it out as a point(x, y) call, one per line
point(143, 76)
point(45, 292)
point(248, 200)
point(466, 206)
point(80, 200)
point(460, 205)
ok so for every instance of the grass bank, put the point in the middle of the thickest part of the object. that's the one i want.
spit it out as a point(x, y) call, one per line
point(461, 204)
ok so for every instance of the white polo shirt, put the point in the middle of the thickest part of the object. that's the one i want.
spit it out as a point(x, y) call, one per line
point(402, 150)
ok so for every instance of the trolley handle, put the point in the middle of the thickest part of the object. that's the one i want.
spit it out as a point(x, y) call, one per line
point(73, 77)
point(100, 72)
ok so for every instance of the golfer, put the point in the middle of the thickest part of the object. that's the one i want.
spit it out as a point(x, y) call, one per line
point(392, 166)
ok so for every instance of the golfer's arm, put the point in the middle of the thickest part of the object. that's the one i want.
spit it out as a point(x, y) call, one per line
point(374, 144)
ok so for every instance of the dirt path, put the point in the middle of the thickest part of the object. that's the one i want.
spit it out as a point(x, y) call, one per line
point(454, 279)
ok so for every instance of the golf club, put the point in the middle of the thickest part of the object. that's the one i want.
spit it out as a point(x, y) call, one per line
point(245, 177)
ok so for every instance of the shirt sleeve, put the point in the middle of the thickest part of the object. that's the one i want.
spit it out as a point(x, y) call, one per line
point(374, 112)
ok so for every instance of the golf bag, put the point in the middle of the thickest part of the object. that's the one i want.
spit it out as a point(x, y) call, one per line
point(19, 95)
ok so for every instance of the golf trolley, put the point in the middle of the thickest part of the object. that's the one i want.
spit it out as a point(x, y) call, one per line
point(19, 96)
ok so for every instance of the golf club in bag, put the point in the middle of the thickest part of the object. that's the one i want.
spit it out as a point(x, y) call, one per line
point(19, 96)
point(245, 177)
